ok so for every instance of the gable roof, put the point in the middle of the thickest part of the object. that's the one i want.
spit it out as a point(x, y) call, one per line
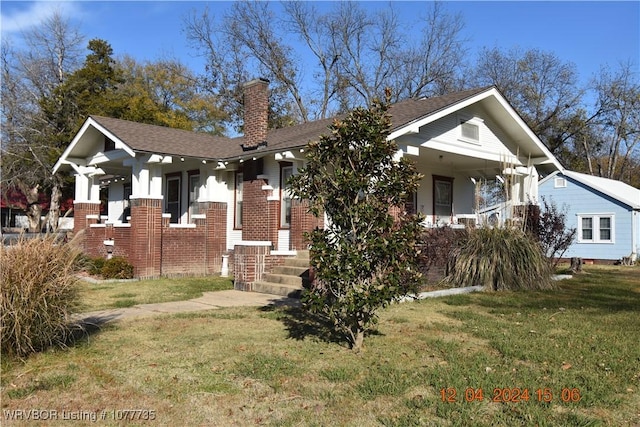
point(617, 190)
point(139, 137)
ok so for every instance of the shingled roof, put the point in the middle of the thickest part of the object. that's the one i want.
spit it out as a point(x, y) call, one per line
point(168, 141)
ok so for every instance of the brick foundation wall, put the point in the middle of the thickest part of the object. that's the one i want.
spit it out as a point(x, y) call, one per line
point(183, 251)
point(155, 248)
point(93, 241)
point(94, 238)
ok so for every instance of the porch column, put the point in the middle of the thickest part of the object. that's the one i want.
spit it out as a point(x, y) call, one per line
point(146, 235)
point(86, 205)
point(212, 202)
point(260, 213)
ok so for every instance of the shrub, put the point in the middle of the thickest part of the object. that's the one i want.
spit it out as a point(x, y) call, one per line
point(550, 230)
point(501, 258)
point(92, 265)
point(38, 294)
point(117, 268)
point(438, 247)
point(365, 258)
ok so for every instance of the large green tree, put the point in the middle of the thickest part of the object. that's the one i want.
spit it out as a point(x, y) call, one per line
point(166, 93)
point(366, 256)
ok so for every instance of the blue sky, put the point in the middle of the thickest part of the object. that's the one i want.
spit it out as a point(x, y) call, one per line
point(588, 34)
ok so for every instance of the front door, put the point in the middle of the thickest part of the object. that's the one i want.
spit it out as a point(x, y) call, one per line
point(442, 199)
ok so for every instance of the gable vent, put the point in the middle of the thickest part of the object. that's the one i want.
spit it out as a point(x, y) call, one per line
point(559, 183)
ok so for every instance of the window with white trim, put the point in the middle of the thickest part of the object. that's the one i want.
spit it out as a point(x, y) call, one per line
point(194, 191)
point(596, 228)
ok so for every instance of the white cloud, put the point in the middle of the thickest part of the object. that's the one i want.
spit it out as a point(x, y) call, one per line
point(15, 18)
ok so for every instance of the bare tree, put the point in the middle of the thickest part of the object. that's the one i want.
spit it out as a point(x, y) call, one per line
point(348, 55)
point(616, 128)
point(542, 87)
point(30, 75)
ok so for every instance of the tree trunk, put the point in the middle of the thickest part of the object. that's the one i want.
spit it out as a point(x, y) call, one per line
point(358, 340)
point(54, 208)
point(576, 265)
point(34, 210)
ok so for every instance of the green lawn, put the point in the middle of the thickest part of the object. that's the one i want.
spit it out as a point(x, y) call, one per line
point(454, 361)
point(110, 294)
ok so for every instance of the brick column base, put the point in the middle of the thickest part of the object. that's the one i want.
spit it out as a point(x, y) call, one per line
point(250, 262)
point(80, 212)
point(146, 235)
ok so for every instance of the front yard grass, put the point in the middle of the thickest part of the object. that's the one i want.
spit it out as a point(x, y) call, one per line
point(575, 350)
point(111, 294)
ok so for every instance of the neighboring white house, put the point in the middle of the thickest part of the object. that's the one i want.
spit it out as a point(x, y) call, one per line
point(605, 213)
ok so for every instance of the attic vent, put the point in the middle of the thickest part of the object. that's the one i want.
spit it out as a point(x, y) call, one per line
point(470, 131)
point(109, 145)
point(559, 183)
point(470, 128)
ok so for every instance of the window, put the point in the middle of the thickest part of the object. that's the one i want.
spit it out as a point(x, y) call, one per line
point(587, 228)
point(238, 201)
point(286, 170)
point(559, 183)
point(173, 196)
point(595, 228)
point(605, 228)
point(194, 192)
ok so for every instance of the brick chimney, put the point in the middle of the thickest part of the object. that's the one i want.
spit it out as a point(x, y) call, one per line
point(256, 113)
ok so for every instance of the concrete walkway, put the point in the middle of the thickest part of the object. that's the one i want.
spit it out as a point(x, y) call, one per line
point(208, 301)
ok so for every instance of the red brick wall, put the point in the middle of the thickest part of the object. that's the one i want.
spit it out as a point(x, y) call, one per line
point(154, 248)
point(249, 266)
point(183, 251)
point(146, 237)
point(256, 112)
point(216, 234)
point(302, 221)
point(122, 241)
point(94, 238)
point(259, 215)
point(80, 212)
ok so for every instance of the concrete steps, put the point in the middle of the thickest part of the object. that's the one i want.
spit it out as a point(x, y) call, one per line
point(288, 279)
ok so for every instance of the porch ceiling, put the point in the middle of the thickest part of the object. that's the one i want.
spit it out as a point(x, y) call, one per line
point(474, 167)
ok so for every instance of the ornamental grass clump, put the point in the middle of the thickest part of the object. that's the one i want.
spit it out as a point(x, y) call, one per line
point(38, 294)
point(501, 258)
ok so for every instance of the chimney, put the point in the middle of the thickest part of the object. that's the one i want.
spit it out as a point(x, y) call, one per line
point(256, 114)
